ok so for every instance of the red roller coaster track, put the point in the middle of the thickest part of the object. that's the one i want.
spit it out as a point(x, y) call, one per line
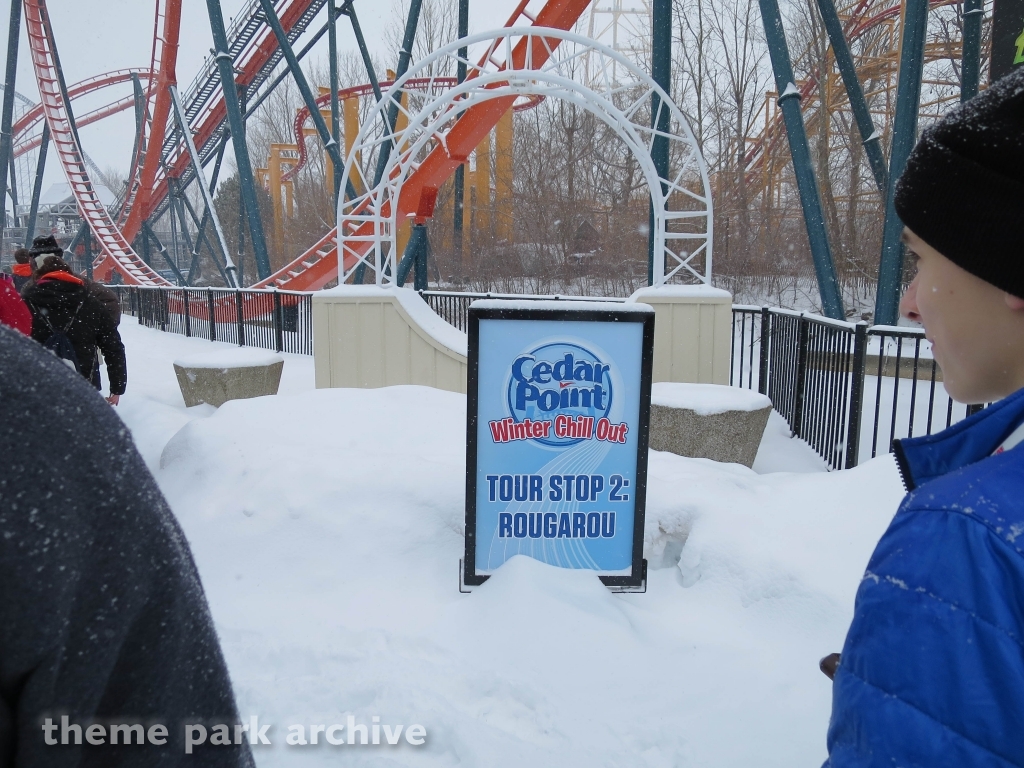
point(151, 170)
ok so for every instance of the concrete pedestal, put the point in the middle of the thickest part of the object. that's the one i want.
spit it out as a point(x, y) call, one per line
point(708, 421)
point(217, 377)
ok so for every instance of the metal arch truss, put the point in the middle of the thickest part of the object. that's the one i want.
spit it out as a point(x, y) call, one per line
point(683, 217)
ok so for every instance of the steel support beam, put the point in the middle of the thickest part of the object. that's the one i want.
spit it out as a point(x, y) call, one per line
point(904, 136)
point(870, 138)
point(201, 227)
point(404, 57)
point(347, 9)
point(204, 187)
point(13, 187)
point(415, 258)
point(37, 187)
point(332, 52)
point(330, 145)
point(661, 73)
point(7, 111)
point(807, 184)
point(970, 65)
point(459, 204)
point(163, 251)
point(140, 128)
point(236, 124)
point(269, 89)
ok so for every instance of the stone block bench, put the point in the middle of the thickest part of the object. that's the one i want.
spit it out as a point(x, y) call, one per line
point(234, 374)
point(708, 421)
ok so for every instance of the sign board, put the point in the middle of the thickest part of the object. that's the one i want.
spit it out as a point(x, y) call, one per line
point(1007, 37)
point(559, 403)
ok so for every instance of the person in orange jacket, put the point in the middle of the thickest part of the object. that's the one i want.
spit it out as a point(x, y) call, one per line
point(21, 270)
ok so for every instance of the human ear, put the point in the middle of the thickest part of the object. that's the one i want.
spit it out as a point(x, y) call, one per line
point(1015, 303)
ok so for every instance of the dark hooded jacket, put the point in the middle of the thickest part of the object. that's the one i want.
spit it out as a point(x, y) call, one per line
point(102, 614)
point(55, 297)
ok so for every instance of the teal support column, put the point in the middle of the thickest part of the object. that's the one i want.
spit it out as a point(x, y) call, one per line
point(415, 258)
point(7, 111)
point(870, 138)
point(329, 142)
point(332, 51)
point(807, 184)
point(459, 204)
point(970, 64)
point(661, 119)
point(404, 57)
point(246, 181)
point(37, 188)
point(347, 9)
point(904, 136)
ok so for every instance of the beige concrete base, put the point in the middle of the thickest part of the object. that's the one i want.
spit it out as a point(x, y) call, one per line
point(731, 436)
point(218, 385)
point(364, 336)
point(692, 332)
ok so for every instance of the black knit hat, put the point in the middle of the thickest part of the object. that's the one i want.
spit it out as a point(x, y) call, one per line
point(46, 244)
point(963, 188)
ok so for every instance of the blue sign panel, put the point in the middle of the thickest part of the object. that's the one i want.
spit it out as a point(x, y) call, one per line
point(559, 400)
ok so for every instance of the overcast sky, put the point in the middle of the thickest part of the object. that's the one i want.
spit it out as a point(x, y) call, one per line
point(96, 36)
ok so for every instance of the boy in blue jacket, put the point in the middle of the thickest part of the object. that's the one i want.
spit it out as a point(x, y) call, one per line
point(932, 671)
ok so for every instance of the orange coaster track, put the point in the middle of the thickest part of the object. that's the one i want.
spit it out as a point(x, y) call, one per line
point(319, 265)
point(255, 53)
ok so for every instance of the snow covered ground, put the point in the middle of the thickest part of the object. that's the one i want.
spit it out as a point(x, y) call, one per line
point(328, 525)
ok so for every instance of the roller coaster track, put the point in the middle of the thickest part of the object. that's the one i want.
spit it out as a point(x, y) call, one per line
point(117, 252)
point(424, 83)
point(146, 162)
point(319, 265)
point(255, 55)
point(26, 137)
point(255, 52)
point(861, 18)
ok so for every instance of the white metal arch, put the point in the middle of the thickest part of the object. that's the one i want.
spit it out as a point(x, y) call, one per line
point(683, 220)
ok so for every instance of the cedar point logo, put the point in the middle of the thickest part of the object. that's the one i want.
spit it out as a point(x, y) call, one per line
point(561, 394)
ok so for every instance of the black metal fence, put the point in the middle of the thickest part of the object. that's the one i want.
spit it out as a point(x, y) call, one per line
point(453, 308)
point(280, 320)
point(847, 389)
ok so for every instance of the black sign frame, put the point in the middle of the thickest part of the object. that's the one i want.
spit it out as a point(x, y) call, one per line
point(637, 578)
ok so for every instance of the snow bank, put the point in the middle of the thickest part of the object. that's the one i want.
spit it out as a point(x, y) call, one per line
point(327, 527)
point(707, 399)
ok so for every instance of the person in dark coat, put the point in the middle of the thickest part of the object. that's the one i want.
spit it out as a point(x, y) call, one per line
point(21, 270)
point(932, 671)
point(58, 299)
point(103, 618)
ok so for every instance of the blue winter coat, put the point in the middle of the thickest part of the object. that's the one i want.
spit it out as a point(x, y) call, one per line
point(932, 672)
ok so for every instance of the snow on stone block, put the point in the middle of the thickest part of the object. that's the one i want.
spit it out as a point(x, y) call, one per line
point(216, 377)
point(708, 421)
point(707, 399)
point(242, 357)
